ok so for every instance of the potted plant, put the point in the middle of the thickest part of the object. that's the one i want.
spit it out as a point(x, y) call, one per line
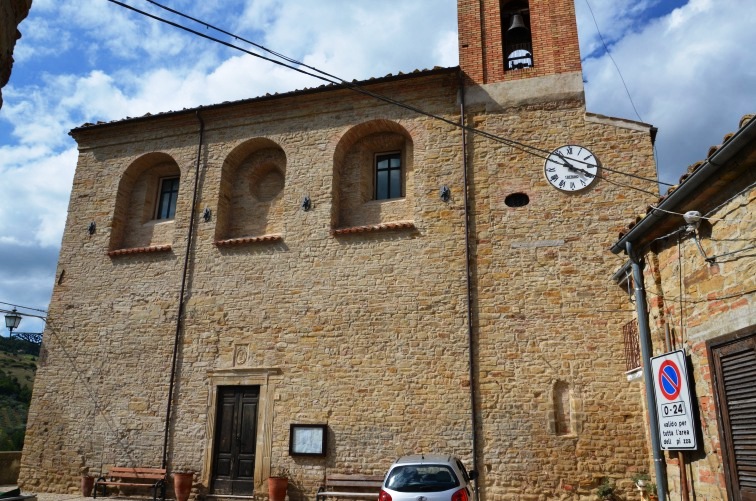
point(278, 483)
point(640, 480)
point(651, 491)
point(644, 484)
point(182, 484)
point(605, 490)
point(87, 482)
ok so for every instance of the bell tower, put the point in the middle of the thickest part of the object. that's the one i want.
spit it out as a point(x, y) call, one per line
point(512, 40)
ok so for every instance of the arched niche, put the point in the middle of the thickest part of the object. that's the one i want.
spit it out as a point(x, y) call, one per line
point(360, 155)
point(137, 221)
point(253, 178)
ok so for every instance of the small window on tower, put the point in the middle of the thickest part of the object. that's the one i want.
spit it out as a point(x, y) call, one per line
point(518, 43)
point(388, 176)
point(168, 195)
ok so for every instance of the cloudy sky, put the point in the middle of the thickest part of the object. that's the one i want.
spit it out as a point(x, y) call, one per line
point(689, 65)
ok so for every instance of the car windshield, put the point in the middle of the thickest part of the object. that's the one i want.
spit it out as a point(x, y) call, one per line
point(422, 478)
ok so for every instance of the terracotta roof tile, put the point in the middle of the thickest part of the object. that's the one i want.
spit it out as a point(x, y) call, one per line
point(690, 170)
point(140, 250)
point(398, 225)
point(249, 240)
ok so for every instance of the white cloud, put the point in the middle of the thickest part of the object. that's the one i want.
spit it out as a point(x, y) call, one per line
point(691, 73)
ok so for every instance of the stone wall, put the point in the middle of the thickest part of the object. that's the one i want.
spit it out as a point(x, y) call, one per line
point(12, 12)
point(363, 328)
point(697, 301)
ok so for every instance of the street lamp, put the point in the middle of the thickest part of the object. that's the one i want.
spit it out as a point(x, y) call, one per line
point(12, 320)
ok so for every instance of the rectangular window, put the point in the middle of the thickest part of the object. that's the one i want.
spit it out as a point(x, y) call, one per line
point(167, 198)
point(388, 176)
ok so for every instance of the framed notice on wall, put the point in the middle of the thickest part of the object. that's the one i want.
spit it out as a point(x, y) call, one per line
point(308, 440)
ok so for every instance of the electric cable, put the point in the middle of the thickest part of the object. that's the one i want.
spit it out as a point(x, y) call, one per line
point(608, 53)
point(327, 77)
point(24, 307)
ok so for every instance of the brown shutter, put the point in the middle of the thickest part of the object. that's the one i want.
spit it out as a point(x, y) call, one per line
point(733, 359)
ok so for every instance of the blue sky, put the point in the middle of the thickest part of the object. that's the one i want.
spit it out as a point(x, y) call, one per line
point(689, 66)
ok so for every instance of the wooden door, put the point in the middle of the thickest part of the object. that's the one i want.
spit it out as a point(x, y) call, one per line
point(235, 438)
point(733, 360)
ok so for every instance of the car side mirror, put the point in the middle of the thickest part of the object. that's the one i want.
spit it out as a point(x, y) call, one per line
point(472, 474)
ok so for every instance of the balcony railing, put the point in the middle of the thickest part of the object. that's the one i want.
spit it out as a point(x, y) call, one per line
point(632, 346)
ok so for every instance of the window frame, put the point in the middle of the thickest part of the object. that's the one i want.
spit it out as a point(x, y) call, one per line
point(172, 201)
point(378, 157)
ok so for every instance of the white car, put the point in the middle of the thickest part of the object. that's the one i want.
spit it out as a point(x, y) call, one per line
point(427, 477)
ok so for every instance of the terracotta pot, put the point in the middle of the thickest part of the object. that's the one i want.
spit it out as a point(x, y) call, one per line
point(182, 485)
point(87, 483)
point(277, 488)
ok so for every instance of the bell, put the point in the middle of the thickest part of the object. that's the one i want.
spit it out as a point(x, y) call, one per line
point(516, 23)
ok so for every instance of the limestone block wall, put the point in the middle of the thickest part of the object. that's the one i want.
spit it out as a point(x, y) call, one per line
point(362, 328)
point(696, 301)
point(557, 413)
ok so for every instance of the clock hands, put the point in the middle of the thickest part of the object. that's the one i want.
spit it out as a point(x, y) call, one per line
point(572, 167)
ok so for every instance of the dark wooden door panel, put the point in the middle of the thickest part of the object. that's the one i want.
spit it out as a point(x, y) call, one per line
point(235, 439)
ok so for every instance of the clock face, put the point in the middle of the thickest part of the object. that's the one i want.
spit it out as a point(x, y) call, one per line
point(571, 168)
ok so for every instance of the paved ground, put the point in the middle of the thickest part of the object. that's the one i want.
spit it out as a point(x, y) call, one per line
point(44, 496)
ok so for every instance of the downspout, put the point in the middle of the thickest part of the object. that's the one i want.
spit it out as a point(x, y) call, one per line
point(470, 340)
point(645, 342)
point(180, 316)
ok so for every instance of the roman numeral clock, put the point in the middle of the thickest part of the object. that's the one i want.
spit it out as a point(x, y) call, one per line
point(571, 168)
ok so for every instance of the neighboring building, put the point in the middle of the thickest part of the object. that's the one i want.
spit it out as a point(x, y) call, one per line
point(321, 257)
point(700, 280)
point(12, 12)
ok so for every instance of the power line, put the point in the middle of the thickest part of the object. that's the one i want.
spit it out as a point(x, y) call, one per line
point(327, 77)
point(608, 53)
point(24, 307)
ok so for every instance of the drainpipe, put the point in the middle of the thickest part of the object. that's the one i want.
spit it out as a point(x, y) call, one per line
point(470, 339)
point(182, 293)
point(645, 342)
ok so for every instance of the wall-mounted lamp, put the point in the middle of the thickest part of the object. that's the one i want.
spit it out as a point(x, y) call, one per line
point(92, 228)
point(12, 321)
point(306, 204)
point(207, 214)
point(445, 193)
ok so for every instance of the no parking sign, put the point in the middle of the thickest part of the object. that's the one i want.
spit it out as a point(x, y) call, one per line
point(673, 403)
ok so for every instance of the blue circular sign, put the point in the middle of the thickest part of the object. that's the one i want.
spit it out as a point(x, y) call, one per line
point(670, 381)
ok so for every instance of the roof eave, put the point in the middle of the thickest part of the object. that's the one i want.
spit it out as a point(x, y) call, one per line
point(744, 136)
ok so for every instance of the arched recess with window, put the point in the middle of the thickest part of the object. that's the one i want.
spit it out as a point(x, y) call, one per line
point(251, 191)
point(516, 35)
point(146, 202)
point(372, 179)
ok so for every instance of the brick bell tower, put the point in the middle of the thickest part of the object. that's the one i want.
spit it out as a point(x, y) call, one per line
point(509, 41)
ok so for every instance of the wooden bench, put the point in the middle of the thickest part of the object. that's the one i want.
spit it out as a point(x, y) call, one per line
point(338, 485)
point(133, 477)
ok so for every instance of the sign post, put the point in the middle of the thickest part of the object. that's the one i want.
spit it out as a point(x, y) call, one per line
point(673, 403)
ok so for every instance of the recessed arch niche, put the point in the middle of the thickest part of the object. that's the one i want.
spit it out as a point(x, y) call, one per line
point(134, 217)
point(251, 193)
point(354, 175)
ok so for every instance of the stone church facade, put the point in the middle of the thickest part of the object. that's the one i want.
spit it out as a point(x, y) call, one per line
point(323, 258)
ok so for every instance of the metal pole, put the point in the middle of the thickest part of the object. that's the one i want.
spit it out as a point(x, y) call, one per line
point(645, 342)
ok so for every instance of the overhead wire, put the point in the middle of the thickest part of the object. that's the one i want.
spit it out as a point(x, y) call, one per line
point(332, 79)
point(624, 84)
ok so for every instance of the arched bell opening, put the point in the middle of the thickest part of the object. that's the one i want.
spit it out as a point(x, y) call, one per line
point(516, 35)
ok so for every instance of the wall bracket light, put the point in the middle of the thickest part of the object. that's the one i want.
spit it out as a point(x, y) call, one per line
point(306, 204)
point(445, 193)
